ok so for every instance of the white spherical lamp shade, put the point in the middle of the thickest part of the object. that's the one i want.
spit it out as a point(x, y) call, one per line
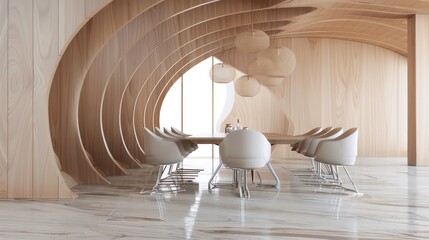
point(222, 73)
point(252, 41)
point(247, 86)
point(269, 80)
point(279, 62)
point(256, 65)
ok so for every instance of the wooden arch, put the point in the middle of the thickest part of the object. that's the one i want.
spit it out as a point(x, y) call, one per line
point(115, 72)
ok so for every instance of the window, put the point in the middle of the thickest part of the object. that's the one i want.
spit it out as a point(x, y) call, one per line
point(196, 105)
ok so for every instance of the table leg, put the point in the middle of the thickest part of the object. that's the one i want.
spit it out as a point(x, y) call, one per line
point(277, 185)
point(215, 173)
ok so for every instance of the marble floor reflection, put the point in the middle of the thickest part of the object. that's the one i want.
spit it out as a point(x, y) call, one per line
point(394, 205)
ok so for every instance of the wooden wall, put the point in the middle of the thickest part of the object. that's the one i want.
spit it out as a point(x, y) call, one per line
point(418, 88)
point(335, 83)
point(31, 40)
point(81, 79)
point(3, 97)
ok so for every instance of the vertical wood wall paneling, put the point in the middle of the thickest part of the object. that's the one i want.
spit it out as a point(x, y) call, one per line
point(350, 85)
point(71, 17)
point(418, 89)
point(20, 99)
point(3, 96)
point(45, 171)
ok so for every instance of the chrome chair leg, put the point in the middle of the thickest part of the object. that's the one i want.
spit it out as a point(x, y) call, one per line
point(240, 185)
point(246, 188)
point(354, 186)
point(158, 178)
point(277, 185)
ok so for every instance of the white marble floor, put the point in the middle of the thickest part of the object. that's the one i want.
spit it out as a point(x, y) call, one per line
point(395, 205)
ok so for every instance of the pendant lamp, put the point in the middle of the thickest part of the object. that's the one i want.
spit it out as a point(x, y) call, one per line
point(252, 41)
point(222, 73)
point(278, 62)
point(247, 86)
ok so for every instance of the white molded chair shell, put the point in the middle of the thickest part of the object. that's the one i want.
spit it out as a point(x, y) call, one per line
point(183, 149)
point(339, 151)
point(160, 151)
point(304, 144)
point(334, 133)
point(313, 131)
point(177, 131)
point(189, 145)
point(170, 133)
point(245, 149)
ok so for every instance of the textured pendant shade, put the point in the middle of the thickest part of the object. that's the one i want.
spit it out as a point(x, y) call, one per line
point(277, 62)
point(252, 41)
point(222, 73)
point(247, 86)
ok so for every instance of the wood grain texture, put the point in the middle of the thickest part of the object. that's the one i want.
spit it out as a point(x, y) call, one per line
point(349, 85)
point(64, 96)
point(93, 91)
point(63, 109)
point(418, 87)
point(45, 24)
point(71, 19)
point(173, 43)
point(3, 96)
point(167, 24)
point(93, 6)
point(375, 22)
point(132, 52)
point(20, 100)
point(90, 113)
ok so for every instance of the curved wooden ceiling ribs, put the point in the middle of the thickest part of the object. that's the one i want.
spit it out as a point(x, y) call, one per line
point(113, 76)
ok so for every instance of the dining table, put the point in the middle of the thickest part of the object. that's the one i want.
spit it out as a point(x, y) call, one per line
point(273, 138)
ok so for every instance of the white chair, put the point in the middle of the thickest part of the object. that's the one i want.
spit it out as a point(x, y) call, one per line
point(341, 151)
point(311, 149)
point(295, 146)
point(183, 149)
point(245, 150)
point(160, 152)
point(177, 131)
point(190, 146)
point(303, 145)
point(306, 142)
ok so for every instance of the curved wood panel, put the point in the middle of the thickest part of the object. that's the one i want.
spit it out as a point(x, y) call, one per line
point(103, 66)
point(131, 56)
point(169, 50)
point(382, 25)
point(67, 83)
point(96, 81)
point(94, 6)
